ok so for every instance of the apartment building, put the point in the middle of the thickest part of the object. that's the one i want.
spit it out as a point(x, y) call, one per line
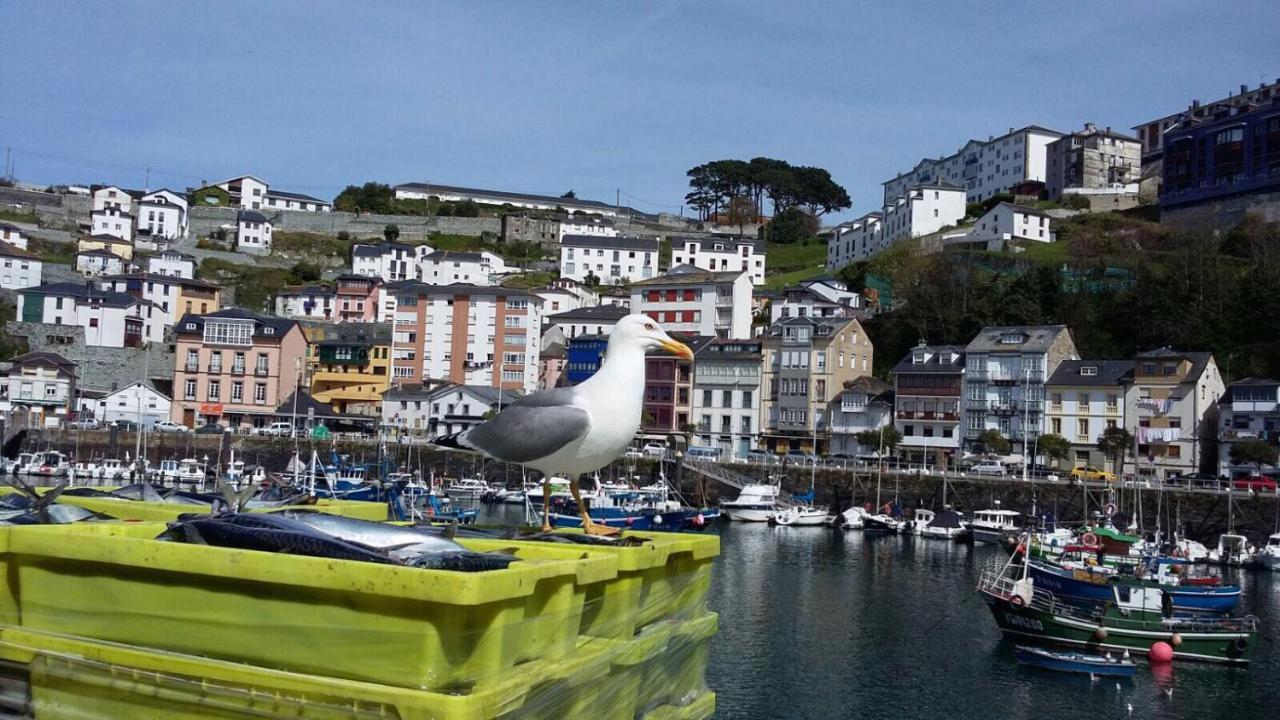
point(668, 394)
point(235, 367)
point(111, 222)
point(583, 355)
point(138, 402)
point(1093, 162)
point(689, 300)
point(921, 210)
point(1005, 373)
point(1233, 152)
point(306, 302)
point(39, 391)
point(817, 297)
point(726, 396)
point(469, 268)
point(594, 320)
point(109, 319)
point(19, 268)
point(1085, 398)
point(611, 260)
point(527, 201)
point(13, 235)
point(96, 263)
point(349, 367)
point(253, 232)
point(720, 254)
point(584, 225)
point(162, 215)
point(1248, 410)
point(173, 264)
point(865, 403)
point(466, 334)
point(174, 296)
point(1007, 222)
point(391, 262)
point(552, 362)
point(854, 241)
point(110, 243)
point(928, 387)
point(1172, 411)
point(806, 363)
point(983, 168)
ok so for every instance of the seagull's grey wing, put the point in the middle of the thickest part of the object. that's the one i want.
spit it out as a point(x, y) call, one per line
point(534, 427)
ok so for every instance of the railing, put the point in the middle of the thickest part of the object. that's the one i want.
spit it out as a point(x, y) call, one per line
point(260, 371)
point(725, 476)
point(193, 367)
point(237, 369)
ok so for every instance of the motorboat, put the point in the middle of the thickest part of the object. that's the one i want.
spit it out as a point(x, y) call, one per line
point(84, 469)
point(168, 471)
point(990, 526)
point(755, 503)
point(1096, 584)
point(1233, 551)
point(467, 489)
point(881, 523)
point(50, 463)
point(850, 519)
point(111, 469)
point(191, 470)
point(946, 524)
point(800, 516)
point(1269, 555)
point(1190, 550)
point(1108, 665)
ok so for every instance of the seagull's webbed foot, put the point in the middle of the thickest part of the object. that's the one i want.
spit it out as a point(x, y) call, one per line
point(591, 528)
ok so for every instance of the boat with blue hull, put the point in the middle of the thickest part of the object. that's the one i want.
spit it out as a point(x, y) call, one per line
point(1075, 662)
point(1094, 585)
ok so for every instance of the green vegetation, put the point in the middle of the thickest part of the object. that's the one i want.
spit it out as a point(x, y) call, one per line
point(789, 264)
point(378, 198)
point(10, 347)
point(529, 280)
point(255, 286)
point(60, 253)
point(310, 245)
point(791, 226)
point(518, 253)
point(22, 217)
point(1054, 447)
point(738, 189)
point(211, 196)
point(1253, 452)
point(993, 442)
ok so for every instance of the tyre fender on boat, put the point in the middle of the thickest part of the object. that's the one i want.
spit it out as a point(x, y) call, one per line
point(1240, 644)
point(1017, 601)
point(1090, 539)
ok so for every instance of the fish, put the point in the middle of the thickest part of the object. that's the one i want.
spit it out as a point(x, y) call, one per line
point(580, 539)
point(87, 492)
point(44, 509)
point(376, 534)
point(465, 561)
point(138, 491)
point(235, 531)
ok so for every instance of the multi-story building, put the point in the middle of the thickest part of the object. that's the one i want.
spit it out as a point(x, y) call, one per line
point(594, 320)
point(453, 193)
point(1007, 223)
point(112, 197)
point(551, 366)
point(246, 191)
point(109, 319)
point(162, 215)
point(444, 267)
point(1005, 372)
point(1231, 153)
point(854, 241)
point(1171, 411)
point(559, 299)
point(611, 260)
point(816, 297)
point(921, 210)
point(583, 355)
point(281, 200)
point(173, 264)
point(726, 396)
point(174, 296)
point(585, 225)
point(983, 168)
point(531, 228)
point(253, 232)
point(349, 367)
point(697, 302)
point(1085, 398)
point(112, 222)
point(392, 262)
point(235, 367)
point(138, 402)
point(13, 235)
point(356, 298)
point(928, 390)
point(865, 403)
point(466, 334)
point(719, 254)
point(306, 302)
point(1093, 162)
point(1248, 410)
point(19, 268)
point(110, 243)
point(668, 394)
point(807, 362)
point(96, 263)
point(40, 390)
point(442, 408)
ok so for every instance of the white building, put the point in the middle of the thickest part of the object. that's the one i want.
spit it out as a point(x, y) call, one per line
point(113, 222)
point(921, 210)
point(612, 260)
point(162, 214)
point(472, 268)
point(586, 225)
point(96, 263)
point(171, 296)
point(40, 386)
point(442, 409)
point(854, 241)
point(699, 302)
point(1007, 223)
point(18, 268)
point(309, 302)
point(113, 197)
point(865, 403)
point(246, 192)
point(1249, 410)
point(1085, 398)
point(1004, 378)
point(453, 193)
point(173, 264)
point(719, 254)
point(726, 396)
point(560, 299)
point(109, 319)
point(1171, 411)
point(983, 168)
point(13, 235)
point(593, 320)
point(253, 232)
point(139, 403)
point(281, 200)
point(817, 297)
point(392, 262)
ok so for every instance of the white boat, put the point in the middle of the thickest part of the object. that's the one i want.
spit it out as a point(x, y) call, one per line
point(23, 463)
point(168, 471)
point(49, 464)
point(800, 516)
point(84, 469)
point(945, 525)
point(191, 470)
point(1269, 556)
point(467, 488)
point(881, 522)
point(1233, 550)
point(850, 519)
point(755, 503)
point(990, 526)
point(111, 469)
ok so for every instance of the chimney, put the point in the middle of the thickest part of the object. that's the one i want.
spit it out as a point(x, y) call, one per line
point(1090, 127)
point(1244, 89)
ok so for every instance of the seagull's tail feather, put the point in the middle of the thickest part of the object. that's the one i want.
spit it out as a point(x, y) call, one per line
point(453, 441)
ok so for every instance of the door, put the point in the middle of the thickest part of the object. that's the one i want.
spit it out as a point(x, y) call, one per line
point(189, 417)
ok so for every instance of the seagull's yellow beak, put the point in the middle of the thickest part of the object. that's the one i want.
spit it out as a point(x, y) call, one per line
point(678, 349)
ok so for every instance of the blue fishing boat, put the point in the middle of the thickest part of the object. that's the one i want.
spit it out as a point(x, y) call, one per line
point(1074, 662)
point(1092, 585)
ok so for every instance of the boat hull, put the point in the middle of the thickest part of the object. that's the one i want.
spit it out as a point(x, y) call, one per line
point(748, 514)
point(982, 534)
point(1094, 665)
point(1065, 584)
point(1023, 622)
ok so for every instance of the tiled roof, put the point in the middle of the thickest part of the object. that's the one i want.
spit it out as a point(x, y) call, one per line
point(1104, 372)
point(620, 242)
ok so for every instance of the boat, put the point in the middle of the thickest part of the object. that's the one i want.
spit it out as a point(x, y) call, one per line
point(1269, 554)
point(1024, 611)
point(191, 470)
point(111, 469)
point(850, 519)
point(1096, 584)
point(467, 488)
point(1233, 551)
point(1074, 662)
point(945, 525)
point(84, 469)
point(755, 503)
point(880, 523)
point(50, 463)
point(990, 526)
point(168, 471)
point(655, 509)
point(800, 516)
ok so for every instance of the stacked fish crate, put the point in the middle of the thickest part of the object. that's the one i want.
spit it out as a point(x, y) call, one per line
point(104, 620)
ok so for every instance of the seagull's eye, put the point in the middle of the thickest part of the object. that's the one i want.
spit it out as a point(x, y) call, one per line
point(649, 326)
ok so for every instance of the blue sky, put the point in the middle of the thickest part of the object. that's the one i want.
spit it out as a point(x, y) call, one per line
point(594, 96)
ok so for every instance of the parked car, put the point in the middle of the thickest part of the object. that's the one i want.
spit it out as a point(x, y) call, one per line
point(800, 457)
point(1092, 474)
point(1194, 480)
point(1255, 482)
point(654, 449)
point(210, 429)
point(169, 426)
point(125, 425)
point(762, 457)
point(632, 454)
point(988, 467)
point(275, 429)
point(710, 454)
point(83, 424)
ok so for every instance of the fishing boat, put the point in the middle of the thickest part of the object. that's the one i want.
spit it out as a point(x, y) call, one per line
point(755, 503)
point(191, 471)
point(1269, 554)
point(1024, 611)
point(1233, 551)
point(882, 524)
point(467, 488)
point(1073, 662)
point(800, 516)
point(167, 472)
point(84, 469)
point(111, 469)
point(50, 463)
point(990, 526)
point(945, 525)
point(1097, 584)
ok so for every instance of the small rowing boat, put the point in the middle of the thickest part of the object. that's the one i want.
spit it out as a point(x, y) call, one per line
point(1075, 662)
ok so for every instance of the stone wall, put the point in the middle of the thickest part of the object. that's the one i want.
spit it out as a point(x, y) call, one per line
point(101, 368)
point(1225, 213)
point(205, 220)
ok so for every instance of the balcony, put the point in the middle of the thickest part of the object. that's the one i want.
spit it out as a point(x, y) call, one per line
point(1243, 434)
point(260, 371)
point(192, 367)
point(215, 369)
point(927, 415)
point(237, 369)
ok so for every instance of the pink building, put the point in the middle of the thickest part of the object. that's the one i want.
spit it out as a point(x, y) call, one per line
point(357, 298)
point(234, 367)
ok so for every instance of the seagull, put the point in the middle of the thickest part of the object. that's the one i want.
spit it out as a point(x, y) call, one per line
point(576, 430)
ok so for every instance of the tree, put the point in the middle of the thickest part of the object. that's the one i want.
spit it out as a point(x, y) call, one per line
point(1054, 447)
point(591, 280)
point(305, 272)
point(1115, 444)
point(818, 192)
point(885, 437)
point(791, 226)
point(741, 211)
point(1253, 452)
point(993, 442)
point(571, 195)
point(391, 232)
point(372, 197)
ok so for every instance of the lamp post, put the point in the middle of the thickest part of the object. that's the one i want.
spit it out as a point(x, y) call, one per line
point(1026, 417)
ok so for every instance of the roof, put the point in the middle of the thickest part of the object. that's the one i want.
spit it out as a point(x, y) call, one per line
point(404, 287)
point(597, 313)
point(1106, 372)
point(169, 279)
point(757, 245)
point(306, 404)
point(170, 253)
point(586, 220)
point(107, 239)
point(1255, 381)
point(145, 383)
point(42, 358)
point(685, 274)
point(100, 252)
point(314, 289)
point(944, 158)
point(8, 250)
point(867, 384)
point(295, 196)
point(1091, 130)
point(250, 216)
point(377, 249)
point(935, 363)
point(446, 255)
point(85, 292)
point(1199, 359)
point(503, 194)
point(1039, 338)
point(280, 326)
point(1020, 208)
point(621, 242)
point(10, 226)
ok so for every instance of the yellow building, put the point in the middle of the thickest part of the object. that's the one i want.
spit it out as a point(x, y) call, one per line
point(110, 243)
point(349, 366)
point(196, 296)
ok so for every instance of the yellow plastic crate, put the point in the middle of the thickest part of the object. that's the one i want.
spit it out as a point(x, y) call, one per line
point(402, 626)
point(77, 678)
point(702, 707)
point(666, 664)
point(122, 509)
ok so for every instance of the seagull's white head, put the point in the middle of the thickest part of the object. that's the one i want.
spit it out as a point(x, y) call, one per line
point(642, 330)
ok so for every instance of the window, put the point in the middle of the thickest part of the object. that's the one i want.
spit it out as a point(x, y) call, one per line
point(215, 362)
point(189, 390)
point(221, 332)
point(1082, 428)
point(215, 391)
point(1055, 426)
point(726, 398)
point(193, 361)
point(262, 366)
point(746, 401)
point(706, 398)
point(237, 392)
point(1175, 451)
point(1082, 402)
point(259, 393)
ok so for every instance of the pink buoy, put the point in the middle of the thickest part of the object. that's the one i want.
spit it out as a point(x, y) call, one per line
point(699, 520)
point(1161, 652)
